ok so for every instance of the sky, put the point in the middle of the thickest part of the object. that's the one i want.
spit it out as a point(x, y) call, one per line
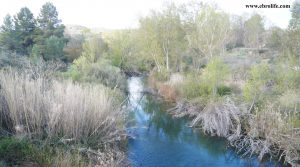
point(119, 14)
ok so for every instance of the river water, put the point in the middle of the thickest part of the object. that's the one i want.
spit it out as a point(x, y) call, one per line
point(158, 140)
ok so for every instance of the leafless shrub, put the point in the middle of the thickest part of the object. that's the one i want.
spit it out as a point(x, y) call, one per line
point(219, 118)
point(269, 134)
point(266, 132)
point(216, 118)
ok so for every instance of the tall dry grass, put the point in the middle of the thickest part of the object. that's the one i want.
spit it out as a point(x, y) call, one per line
point(40, 107)
point(269, 133)
point(58, 108)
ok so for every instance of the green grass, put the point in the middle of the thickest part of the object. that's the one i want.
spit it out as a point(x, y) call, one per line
point(14, 152)
point(12, 149)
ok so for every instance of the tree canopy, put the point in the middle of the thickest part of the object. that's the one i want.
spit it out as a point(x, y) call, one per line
point(42, 37)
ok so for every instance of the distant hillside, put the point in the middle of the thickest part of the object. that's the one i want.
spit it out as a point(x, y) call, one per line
point(75, 29)
point(78, 29)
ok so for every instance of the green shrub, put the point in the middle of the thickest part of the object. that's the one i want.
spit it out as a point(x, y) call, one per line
point(260, 75)
point(15, 151)
point(193, 88)
point(12, 149)
point(73, 73)
point(223, 90)
point(214, 74)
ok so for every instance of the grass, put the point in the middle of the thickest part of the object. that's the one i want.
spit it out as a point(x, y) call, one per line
point(40, 108)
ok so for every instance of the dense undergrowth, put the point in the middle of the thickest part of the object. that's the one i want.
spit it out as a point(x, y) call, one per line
point(50, 121)
point(232, 77)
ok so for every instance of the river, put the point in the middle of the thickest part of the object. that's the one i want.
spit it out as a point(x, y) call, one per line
point(158, 140)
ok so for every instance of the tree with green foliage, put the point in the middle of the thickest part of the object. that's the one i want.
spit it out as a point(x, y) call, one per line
point(94, 48)
point(17, 34)
point(207, 30)
point(123, 47)
point(171, 35)
point(254, 29)
point(212, 28)
point(25, 25)
point(150, 45)
point(48, 21)
point(54, 48)
point(295, 21)
point(164, 38)
point(50, 31)
point(275, 39)
point(8, 36)
point(42, 38)
point(293, 43)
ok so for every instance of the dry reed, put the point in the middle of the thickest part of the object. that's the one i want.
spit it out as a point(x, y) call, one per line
point(35, 105)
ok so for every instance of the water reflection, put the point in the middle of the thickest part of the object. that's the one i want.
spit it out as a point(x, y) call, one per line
point(160, 140)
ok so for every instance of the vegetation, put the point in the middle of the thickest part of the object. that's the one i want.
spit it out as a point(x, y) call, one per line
point(35, 106)
point(61, 94)
point(221, 92)
point(52, 113)
point(41, 37)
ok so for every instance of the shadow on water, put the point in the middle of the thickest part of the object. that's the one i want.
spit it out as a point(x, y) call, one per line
point(160, 140)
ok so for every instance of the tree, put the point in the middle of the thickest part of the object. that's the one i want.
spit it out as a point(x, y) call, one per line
point(74, 47)
point(171, 35)
point(254, 28)
point(49, 30)
point(54, 48)
point(208, 32)
point(164, 35)
point(149, 40)
point(295, 21)
point(237, 32)
point(275, 39)
point(123, 46)
point(25, 25)
point(94, 49)
point(8, 36)
point(48, 18)
point(293, 43)
point(17, 34)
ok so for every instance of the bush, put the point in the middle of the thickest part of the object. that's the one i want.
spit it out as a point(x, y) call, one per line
point(192, 88)
point(12, 149)
point(100, 72)
point(44, 107)
point(223, 90)
point(15, 151)
point(8, 58)
point(214, 75)
point(260, 75)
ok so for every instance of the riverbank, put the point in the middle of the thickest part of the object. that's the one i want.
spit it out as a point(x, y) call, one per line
point(254, 131)
point(158, 139)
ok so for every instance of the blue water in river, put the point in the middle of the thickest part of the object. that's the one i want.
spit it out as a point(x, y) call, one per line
point(162, 141)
